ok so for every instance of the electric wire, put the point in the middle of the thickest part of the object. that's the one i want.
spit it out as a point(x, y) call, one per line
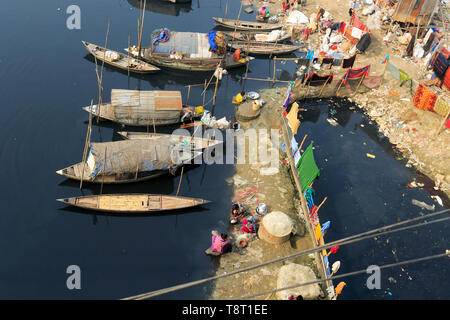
point(352, 239)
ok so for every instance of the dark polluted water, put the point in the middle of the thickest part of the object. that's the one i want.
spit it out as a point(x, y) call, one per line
point(46, 76)
point(364, 194)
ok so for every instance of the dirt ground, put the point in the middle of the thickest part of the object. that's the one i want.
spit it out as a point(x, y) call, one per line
point(278, 192)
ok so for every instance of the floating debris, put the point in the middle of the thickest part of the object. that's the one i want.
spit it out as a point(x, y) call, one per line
point(423, 205)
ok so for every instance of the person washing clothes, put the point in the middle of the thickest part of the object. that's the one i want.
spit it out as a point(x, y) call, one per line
point(219, 243)
point(237, 212)
point(264, 12)
point(249, 225)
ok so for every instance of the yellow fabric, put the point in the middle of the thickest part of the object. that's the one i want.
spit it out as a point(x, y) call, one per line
point(292, 117)
point(318, 232)
point(199, 110)
point(441, 107)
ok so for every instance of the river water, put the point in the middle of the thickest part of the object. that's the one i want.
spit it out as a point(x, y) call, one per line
point(46, 77)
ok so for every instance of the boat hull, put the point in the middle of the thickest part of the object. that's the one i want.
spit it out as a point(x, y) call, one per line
point(133, 203)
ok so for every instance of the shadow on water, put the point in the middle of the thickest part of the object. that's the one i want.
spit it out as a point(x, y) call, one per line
point(164, 7)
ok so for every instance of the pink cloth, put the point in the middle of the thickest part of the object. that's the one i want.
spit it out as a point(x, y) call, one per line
point(247, 228)
point(218, 244)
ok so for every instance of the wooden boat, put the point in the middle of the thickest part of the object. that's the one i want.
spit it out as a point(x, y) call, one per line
point(122, 61)
point(246, 25)
point(129, 161)
point(195, 142)
point(254, 36)
point(263, 48)
point(192, 53)
point(144, 108)
point(133, 203)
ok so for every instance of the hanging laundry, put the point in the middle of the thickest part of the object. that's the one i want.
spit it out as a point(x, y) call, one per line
point(314, 80)
point(364, 43)
point(440, 66)
point(325, 226)
point(348, 63)
point(393, 70)
point(333, 250)
point(409, 49)
point(294, 144)
point(356, 33)
point(424, 98)
point(307, 168)
point(317, 231)
point(328, 61)
point(292, 117)
point(403, 77)
point(162, 37)
point(441, 107)
point(447, 78)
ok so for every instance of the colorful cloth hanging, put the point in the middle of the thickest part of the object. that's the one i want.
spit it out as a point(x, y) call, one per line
point(403, 77)
point(447, 78)
point(393, 70)
point(348, 63)
point(424, 98)
point(307, 168)
point(440, 66)
point(292, 117)
point(314, 80)
point(441, 107)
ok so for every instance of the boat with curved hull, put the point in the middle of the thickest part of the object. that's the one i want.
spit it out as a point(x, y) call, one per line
point(133, 203)
point(246, 25)
point(123, 62)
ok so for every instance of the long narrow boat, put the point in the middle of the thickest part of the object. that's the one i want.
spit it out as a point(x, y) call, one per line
point(263, 37)
point(120, 60)
point(129, 161)
point(196, 142)
point(246, 25)
point(188, 51)
point(133, 203)
point(263, 48)
point(144, 108)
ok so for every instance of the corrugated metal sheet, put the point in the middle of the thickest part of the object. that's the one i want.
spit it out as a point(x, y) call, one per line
point(415, 11)
point(136, 107)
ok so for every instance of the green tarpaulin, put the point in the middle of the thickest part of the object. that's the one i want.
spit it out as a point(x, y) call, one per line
point(307, 168)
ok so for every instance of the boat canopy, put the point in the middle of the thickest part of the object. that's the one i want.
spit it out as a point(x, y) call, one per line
point(190, 44)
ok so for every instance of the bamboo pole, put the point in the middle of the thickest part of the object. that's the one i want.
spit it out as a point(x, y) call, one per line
point(226, 10)
point(142, 27)
point(325, 199)
point(189, 93)
point(181, 178)
point(204, 94)
point(303, 141)
point(359, 84)
point(268, 80)
point(86, 143)
point(104, 170)
point(215, 89)
point(274, 68)
point(323, 87)
point(128, 54)
point(100, 83)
